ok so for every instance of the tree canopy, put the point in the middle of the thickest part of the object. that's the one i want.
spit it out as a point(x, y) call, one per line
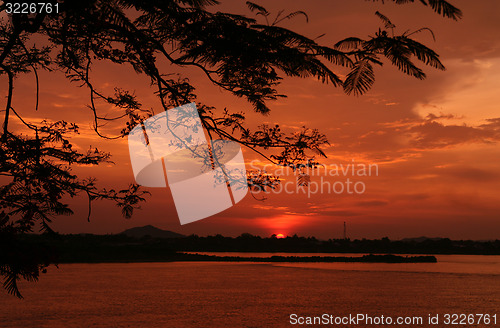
point(248, 56)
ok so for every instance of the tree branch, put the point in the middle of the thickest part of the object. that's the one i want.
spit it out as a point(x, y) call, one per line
point(9, 100)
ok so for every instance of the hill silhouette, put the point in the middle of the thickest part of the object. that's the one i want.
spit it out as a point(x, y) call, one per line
point(126, 247)
point(149, 230)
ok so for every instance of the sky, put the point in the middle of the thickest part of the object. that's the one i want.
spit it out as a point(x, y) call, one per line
point(435, 143)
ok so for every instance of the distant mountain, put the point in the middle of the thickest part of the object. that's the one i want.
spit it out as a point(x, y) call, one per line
point(149, 230)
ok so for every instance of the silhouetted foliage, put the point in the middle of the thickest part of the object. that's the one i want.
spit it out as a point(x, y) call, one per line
point(246, 56)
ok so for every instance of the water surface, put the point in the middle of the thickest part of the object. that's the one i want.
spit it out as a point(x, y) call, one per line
point(215, 294)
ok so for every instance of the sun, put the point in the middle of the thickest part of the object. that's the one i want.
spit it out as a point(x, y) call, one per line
point(280, 235)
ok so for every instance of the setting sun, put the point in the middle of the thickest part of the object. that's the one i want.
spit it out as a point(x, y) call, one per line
point(280, 235)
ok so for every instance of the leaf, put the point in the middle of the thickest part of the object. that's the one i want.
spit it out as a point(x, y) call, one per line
point(63, 209)
point(255, 7)
point(446, 9)
point(46, 228)
point(421, 30)
point(334, 56)
point(303, 179)
point(10, 284)
point(405, 65)
point(127, 211)
point(423, 53)
point(441, 7)
point(387, 22)
point(292, 15)
point(360, 79)
point(348, 43)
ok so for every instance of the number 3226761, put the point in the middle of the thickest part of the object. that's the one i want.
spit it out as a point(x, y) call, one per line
point(31, 8)
point(470, 319)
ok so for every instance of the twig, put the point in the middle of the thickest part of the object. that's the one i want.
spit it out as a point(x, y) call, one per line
point(9, 101)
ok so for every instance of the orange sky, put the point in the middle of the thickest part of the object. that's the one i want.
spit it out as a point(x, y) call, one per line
point(435, 141)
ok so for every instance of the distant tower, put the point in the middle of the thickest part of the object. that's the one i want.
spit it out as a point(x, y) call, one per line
point(345, 231)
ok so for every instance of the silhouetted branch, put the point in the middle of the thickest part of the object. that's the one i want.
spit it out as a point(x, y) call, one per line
point(9, 101)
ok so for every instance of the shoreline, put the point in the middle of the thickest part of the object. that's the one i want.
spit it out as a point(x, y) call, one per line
point(184, 257)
